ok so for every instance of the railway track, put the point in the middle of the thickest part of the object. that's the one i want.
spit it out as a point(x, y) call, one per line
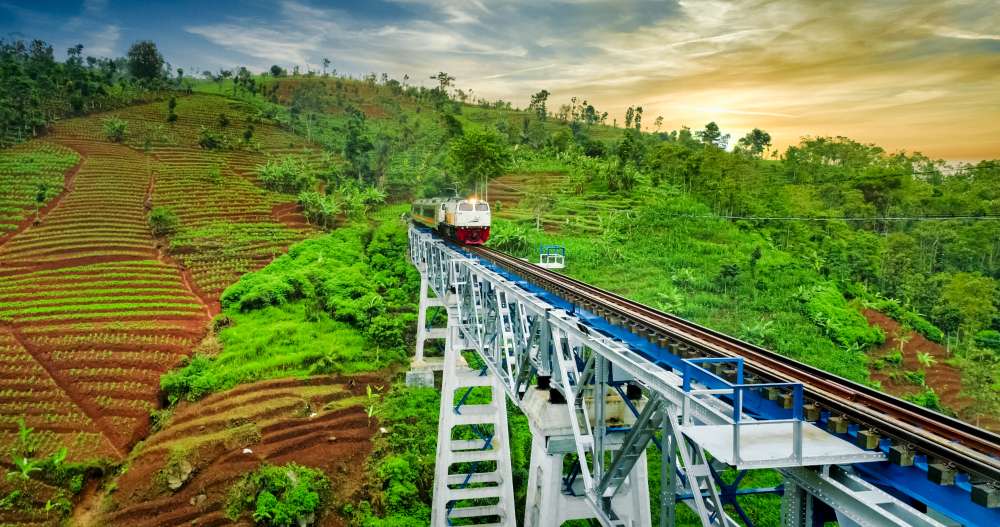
point(943, 439)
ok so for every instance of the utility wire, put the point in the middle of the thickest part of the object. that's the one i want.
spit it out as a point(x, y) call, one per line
point(991, 217)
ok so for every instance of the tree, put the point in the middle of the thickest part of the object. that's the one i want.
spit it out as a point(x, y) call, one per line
point(41, 194)
point(537, 104)
point(444, 81)
point(478, 155)
point(326, 64)
point(755, 142)
point(163, 221)
point(658, 122)
point(357, 145)
point(114, 129)
point(244, 80)
point(145, 62)
point(307, 97)
point(277, 71)
point(712, 136)
point(171, 106)
point(970, 296)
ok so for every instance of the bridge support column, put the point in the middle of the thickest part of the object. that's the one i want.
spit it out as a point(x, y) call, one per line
point(546, 503)
point(421, 370)
point(553, 497)
point(472, 474)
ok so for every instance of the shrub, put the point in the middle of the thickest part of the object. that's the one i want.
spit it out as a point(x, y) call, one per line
point(988, 338)
point(288, 174)
point(191, 382)
point(916, 377)
point(280, 496)
point(845, 325)
point(163, 221)
point(114, 129)
point(210, 140)
point(509, 237)
point(928, 399)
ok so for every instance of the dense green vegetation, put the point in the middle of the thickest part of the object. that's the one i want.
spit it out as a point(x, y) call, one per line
point(783, 250)
point(280, 496)
point(35, 89)
point(341, 303)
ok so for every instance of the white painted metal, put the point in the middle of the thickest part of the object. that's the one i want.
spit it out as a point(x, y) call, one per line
point(472, 467)
point(856, 501)
point(552, 260)
point(520, 336)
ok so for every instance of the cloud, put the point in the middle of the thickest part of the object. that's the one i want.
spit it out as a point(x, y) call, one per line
point(881, 71)
point(91, 11)
point(962, 34)
point(103, 42)
point(272, 45)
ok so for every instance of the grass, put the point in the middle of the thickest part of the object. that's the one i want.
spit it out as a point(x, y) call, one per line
point(704, 271)
point(340, 303)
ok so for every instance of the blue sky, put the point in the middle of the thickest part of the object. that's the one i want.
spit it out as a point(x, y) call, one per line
point(915, 75)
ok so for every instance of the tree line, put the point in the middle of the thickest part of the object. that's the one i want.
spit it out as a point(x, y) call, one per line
point(36, 89)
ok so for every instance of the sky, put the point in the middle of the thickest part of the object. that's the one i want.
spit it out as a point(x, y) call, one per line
point(922, 75)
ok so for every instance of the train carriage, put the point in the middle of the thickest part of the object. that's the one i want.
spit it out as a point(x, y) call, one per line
point(466, 221)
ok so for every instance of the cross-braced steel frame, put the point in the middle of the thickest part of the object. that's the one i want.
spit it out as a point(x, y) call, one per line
point(525, 341)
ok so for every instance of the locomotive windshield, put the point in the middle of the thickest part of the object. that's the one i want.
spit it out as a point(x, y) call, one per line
point(482, 207)
point(465, 206)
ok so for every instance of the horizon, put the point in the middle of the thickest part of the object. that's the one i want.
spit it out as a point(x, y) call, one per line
point(908, 76)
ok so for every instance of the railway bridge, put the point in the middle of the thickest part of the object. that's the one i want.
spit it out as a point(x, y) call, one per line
point(611, 388)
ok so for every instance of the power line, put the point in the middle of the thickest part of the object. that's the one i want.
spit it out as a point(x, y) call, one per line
point(988, 217)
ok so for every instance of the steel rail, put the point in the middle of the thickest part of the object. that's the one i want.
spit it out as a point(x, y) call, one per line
point(972, 449)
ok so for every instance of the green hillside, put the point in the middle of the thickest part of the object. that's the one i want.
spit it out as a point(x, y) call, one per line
point(184, 241)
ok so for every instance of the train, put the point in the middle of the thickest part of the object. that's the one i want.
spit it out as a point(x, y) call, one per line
point(467, 221)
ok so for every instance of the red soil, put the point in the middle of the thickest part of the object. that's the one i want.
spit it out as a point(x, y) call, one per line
point(299, 429)
point(945, 379)
point(290, 214)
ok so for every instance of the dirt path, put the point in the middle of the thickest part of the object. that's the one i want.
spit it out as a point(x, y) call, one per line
point(212, 307)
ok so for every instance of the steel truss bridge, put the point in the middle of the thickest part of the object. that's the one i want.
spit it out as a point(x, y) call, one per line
point(606, 382)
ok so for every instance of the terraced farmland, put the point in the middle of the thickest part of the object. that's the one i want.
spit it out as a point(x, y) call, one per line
point(31, 175)
point(319, 421)
point(228, 224)
point(85, 295)
point(577, 214)
point(94, 308)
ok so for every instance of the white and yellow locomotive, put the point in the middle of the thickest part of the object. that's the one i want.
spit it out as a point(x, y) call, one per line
point(466, 221)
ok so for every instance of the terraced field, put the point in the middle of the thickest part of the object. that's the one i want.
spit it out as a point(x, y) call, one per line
point(94, 308)
point(31, 176)
point(229, 225)
point(85, 295)
point(319, 422)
